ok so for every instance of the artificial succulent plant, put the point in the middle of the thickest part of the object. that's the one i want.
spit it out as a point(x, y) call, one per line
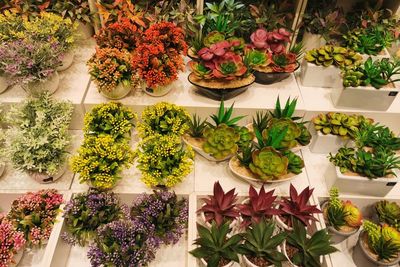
point(293, 132)
point(388, 212)
point(333, 55)
point(221, 141)
point(269, 164)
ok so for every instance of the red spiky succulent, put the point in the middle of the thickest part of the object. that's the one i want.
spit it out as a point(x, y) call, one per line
point(259, 205)
point(220, 207)
point(297, 205)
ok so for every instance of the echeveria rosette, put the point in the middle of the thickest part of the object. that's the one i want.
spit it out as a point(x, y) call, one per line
point(274, 41)
point(163, 214)
point(293, 132)
point(122, 243)
point(229, 67)
point(110, 118)
point(284, 62)
point(12, 242)
point(164, 161)
point(200, 70)
point(86, 212)
point(296, 163)
point(215, 50)
point(257, 58)
point(221, 141)
point(165, 119)
point(34, 214)
point(213, 38)
point(269, 164)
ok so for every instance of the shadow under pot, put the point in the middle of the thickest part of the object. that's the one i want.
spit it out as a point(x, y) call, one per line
point(264, 77)
point(120, 91)
point(221, 89)
point(44, 178)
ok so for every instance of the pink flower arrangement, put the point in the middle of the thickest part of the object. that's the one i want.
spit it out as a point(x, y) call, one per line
point(11, 241)
point(35, 213)
point(274, 41)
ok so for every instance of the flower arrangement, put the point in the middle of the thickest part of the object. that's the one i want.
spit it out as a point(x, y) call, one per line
point(34, 214)
point(86, 212)
point(163, 214)
point(164, 161)
point(164, 118)
point(12, 242)
point(39, 137)
point(158, 57)
point(100, 160)
point(110, 118)
point(122, 243)
point(11, 26)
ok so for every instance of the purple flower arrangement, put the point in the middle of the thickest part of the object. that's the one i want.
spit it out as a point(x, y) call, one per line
point(86, 212)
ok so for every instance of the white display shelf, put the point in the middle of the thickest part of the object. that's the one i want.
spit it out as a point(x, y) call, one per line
point(74, 82)
point(76, 256)
point(13, 179)
point(257, 97)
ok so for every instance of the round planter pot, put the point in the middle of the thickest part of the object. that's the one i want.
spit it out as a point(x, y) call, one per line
point(287, 257)
point(118, 92)
point(44, 178)
point(17, 258)
point(67, 60)
point(158, 91)
point(272, 77)
point(3, 83)
point(50, 85)
point(85, 30)
point(362, 257)
point(281, 224)
point(226, 265)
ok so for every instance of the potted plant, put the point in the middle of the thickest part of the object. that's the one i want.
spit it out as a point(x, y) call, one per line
point(368, 86)
point(112, 240)
point(163, 214)
point(296, 206)
point(215, 246)
point(261, 246)
point(343, 218)
point(365, 172)
point(388, 213)
point(305, 250)
point(376, 135)
point(334, 130)
point(35, 214)
point(85, 212)
point(257, 207)
point(164, 119)
point(111, 70)
point(377, 245)
point(158, 57)
point(39, 138)
point(12, 244)
point(164, 161)
point(220, 207)
point(321, 66)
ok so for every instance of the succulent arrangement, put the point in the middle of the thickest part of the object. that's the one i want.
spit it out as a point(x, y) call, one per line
point(88, 211)
point(333, 56)
point(221, 141)
point(376, 135)
point(39, 137)
point(12, 242)
point(388, 213)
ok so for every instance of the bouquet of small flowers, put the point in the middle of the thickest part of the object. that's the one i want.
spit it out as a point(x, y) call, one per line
point(122, 243)
point(11, 242)
point(86, 212)
point(34, 214)
point(163, 214)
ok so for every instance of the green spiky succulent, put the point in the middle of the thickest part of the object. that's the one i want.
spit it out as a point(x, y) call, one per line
point(335, 212)
point(388, 212)
point(246, 137)
point(260, 121)
point(197, 126)
point(221, 141)
point(269, 164)
point(224, 116)
point(245, 155)
point(332, 55)
point(296, 163)
point(376, 135)
point(293, 132)
point(370, 41)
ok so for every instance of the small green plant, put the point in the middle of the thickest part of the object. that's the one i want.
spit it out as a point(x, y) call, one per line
point(197, 126)
point(224, 116)
point(260, 121)
point(296, 163)
point(245, 137)
point(260, 243)
point(214, 245)
point(388, 212)
point(333, 55)
point(269, 164)
point(245, 155)
point(376, 135)
point(221, 141)
point(293, 132)
point(308, 249)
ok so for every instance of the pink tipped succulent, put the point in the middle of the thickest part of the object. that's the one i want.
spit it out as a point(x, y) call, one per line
point(229, 67)
point(284, 62)
point(220, 207)
point(259, 205)
point(297, 205)
point(274, 41)
point(217, 49)
point(259, 39)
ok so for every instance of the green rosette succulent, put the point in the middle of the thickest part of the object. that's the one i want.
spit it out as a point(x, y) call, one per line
point(200, 70)
point(353, 78)
point(256, 58)
point(269, 164)
point(296, 163)
point(213, 37)
point(332, 55)
point(305, 136)
point(293, 132)
point(221, 141)
point(388, 212)
point(246, 137)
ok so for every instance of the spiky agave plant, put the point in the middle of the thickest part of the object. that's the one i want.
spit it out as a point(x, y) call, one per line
point(197, 126)
point(221, 206)
point(260, 121)
point(224, 116)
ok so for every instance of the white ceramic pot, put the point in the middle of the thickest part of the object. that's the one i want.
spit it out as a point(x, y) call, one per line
point(383, 54)
point(248, 263)
point(227, 265)
point(44, 178)
point(3, 83)
point(367, 98)
point(326, 143)
point(281, 224)
point(311, 41)
point(2, 168)
point(85, 30)
point(158, 91)
point(17, 258)
point(50, 85)
point(312, 75)
point(359, 185)
point(118, 92)
point(67, 60)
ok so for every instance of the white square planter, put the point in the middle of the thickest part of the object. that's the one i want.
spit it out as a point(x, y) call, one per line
point(383, 54)
point(312, 75)
point(363, 186)
point(367, 98)
point(326, 143)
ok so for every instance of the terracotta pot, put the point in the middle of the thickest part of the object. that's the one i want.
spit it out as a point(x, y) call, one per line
point(3, 83)
point(50, 85)
point(118, 92)
point(44, 178)
point(17, 258)
point(158, 91)
point(67, 60)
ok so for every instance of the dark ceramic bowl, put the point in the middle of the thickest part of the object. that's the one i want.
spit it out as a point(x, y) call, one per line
point(272, 77)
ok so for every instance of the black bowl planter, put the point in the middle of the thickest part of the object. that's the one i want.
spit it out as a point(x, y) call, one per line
point(221, 90)
point(272, 77)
